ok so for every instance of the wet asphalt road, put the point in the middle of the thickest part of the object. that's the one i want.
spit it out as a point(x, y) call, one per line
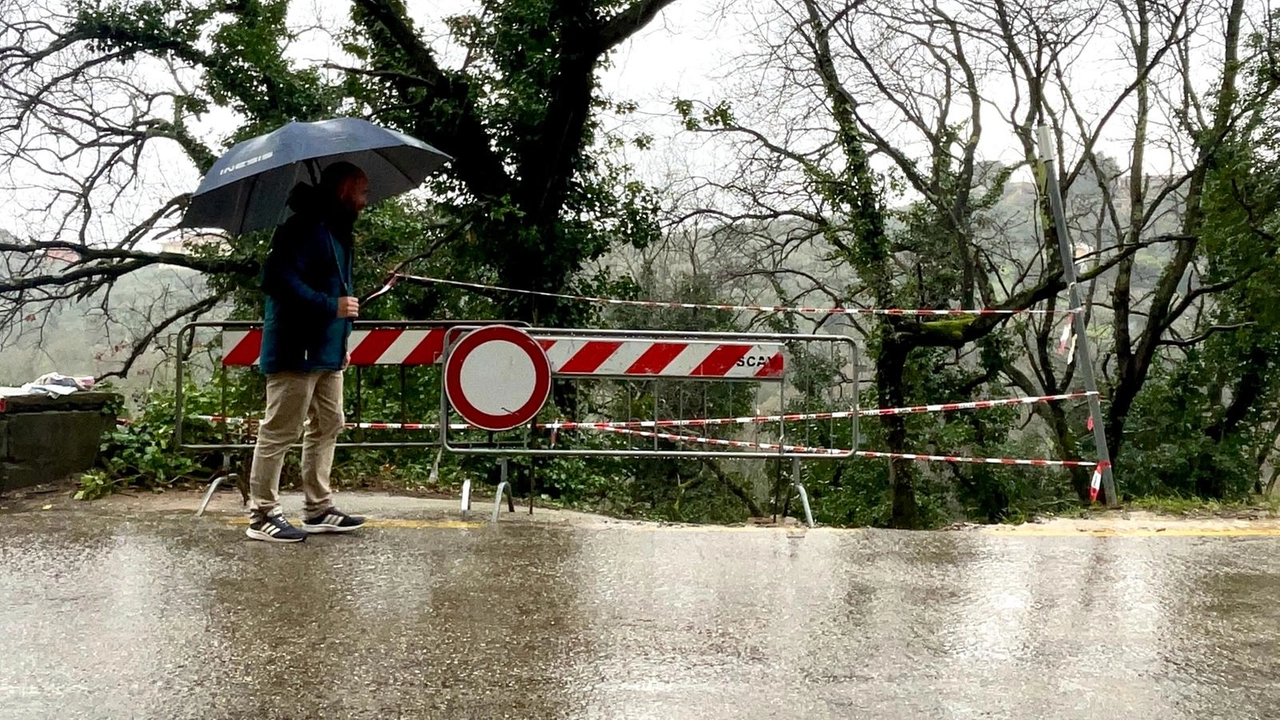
point(169, 617)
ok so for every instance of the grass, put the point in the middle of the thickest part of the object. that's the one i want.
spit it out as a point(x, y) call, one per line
point(1179, 505)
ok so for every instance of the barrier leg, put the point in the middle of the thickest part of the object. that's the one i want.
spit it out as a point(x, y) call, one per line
point(466, 498)
point(511, 501)
point(503, 486)
point(804, 499)
point(213, 487)
point(804, 496)
point(216, 482)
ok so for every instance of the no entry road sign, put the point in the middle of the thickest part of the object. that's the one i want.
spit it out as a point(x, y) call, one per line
point(497, 378)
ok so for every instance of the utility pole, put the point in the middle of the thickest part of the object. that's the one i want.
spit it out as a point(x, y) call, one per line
point(1084, 361)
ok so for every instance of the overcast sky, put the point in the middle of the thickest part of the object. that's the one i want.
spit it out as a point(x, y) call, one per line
point(687, 52)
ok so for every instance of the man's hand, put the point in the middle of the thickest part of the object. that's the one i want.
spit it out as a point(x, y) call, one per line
point(348, 307)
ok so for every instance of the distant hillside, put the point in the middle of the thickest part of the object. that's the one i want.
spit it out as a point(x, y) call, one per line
point(84, 339)
point(736, 257)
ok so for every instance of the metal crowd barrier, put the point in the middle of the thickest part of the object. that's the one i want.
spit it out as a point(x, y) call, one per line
point(671, 382)
point(407, 346)
point(626, 393)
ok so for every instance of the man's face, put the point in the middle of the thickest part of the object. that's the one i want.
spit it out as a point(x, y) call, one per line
point(353, 193)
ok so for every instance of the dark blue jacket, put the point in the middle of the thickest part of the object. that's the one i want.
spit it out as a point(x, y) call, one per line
point(307, 270)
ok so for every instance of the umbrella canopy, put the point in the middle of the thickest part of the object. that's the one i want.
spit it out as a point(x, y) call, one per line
point(246, 188)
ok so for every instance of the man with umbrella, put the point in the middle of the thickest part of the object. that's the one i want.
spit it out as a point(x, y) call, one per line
point(307, 278)
point(309, 308)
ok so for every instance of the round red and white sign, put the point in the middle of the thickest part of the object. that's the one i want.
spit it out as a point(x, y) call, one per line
point(497, 378)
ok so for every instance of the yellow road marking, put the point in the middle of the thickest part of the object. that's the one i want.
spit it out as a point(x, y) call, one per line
point(1137, 532)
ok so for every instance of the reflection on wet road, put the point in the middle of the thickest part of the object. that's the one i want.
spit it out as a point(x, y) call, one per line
point(174, 618)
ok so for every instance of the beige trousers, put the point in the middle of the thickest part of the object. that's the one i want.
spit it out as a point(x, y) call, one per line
point(291, 398)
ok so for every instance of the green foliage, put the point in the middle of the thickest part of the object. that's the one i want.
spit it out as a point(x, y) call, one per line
point(720, 116)
point(240, 51)
point(534, 175)
point(140, 454)
point(1202, 424)
point(1171, 450)
point(96, 484)
point(1195, 506)
point(538, 192)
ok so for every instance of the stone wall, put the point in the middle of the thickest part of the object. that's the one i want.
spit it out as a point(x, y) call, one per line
point(44, 440)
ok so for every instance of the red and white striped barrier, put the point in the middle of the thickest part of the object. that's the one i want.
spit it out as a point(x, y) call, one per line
point(805, 417)
point(568, 355)
point(651, 358)
point(712, 306)
point(381, 346)
point(775, 447)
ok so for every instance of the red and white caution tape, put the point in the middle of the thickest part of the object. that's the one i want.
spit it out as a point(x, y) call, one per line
point(221, 420)
point(403, 426)
point(1095, 484)
point(713, 306)
point(707, 422)
point(772, 447)
point(775, 447)
point(743, 444)
point(976, 404)
point(804, 417)
point(975, 460)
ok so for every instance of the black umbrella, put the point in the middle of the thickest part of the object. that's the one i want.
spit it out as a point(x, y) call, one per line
point(246, 188)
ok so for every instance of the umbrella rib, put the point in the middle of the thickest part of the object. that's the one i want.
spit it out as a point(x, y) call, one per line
point(393, 164)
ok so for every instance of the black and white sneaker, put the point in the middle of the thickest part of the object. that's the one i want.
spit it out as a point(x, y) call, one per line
point(274, 528)
point(332, 521)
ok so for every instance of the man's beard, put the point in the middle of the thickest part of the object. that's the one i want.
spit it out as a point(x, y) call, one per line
point(342, 216)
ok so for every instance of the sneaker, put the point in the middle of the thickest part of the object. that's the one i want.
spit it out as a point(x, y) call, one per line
point(333, 520)
point(274, 528)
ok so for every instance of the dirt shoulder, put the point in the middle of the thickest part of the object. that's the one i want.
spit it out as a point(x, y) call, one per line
point(226, 505)
point(1146, 523)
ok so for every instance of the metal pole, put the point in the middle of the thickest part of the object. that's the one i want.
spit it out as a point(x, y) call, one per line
point(532, 488)
point(178, 399)
point(1084, 358)
point(359, 392)
point(804, 496)
point(497, 500)
point(404, 393)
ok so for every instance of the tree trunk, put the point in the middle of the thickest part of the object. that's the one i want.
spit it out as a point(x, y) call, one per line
point(890, 381)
